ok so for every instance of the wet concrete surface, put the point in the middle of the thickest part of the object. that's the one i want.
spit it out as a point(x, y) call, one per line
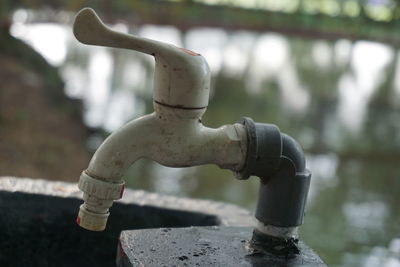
point(37, 230)
point(202, 246)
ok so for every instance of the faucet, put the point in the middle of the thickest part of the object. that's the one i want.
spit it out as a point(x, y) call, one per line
point(173, 135)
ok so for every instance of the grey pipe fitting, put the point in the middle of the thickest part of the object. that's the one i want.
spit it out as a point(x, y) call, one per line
point(283, 194)
point(280, 163)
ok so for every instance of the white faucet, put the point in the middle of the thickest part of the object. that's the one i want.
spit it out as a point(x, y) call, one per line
point(172, 135)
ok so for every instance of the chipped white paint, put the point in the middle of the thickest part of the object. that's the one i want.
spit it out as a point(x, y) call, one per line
point(173, 135)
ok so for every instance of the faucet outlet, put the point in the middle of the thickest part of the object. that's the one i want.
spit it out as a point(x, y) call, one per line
point(98, 196)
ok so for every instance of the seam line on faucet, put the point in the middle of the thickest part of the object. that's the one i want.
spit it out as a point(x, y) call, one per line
point(179, 106)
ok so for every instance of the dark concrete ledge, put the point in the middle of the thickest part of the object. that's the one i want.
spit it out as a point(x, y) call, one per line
point(225, 214)
point(38, 226)
point(202, 246)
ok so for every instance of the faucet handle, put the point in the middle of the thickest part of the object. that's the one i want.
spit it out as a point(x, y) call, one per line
point(182, 77)
point(89, 29)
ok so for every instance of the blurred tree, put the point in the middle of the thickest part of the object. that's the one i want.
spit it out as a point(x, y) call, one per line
point(42, 126)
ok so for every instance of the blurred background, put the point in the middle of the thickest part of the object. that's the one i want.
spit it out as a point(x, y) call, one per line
point(327, 72)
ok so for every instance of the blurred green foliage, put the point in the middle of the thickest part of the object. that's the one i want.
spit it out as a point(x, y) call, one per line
point(328, 19)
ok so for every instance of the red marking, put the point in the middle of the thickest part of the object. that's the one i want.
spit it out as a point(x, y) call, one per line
point(121, 252)
point(122, 191)
point(78, 220)
point(189, 52)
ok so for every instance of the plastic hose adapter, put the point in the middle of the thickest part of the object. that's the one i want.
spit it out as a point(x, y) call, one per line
point(98, 197)
point(90, 220)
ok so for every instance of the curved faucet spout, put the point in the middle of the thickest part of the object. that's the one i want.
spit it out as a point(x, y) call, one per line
point(122, 148)
point(172, 143)
point(164, 137)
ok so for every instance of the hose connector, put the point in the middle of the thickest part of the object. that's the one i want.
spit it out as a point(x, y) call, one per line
point(98, 197)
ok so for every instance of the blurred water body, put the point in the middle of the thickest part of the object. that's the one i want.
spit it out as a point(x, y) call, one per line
point(340, 99)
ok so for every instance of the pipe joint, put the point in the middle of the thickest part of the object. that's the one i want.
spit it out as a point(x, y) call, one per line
point(279, 161)
point(264, 149)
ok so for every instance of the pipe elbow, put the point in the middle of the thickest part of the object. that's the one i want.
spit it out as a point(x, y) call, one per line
point(269, 151)
point(279, 161)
